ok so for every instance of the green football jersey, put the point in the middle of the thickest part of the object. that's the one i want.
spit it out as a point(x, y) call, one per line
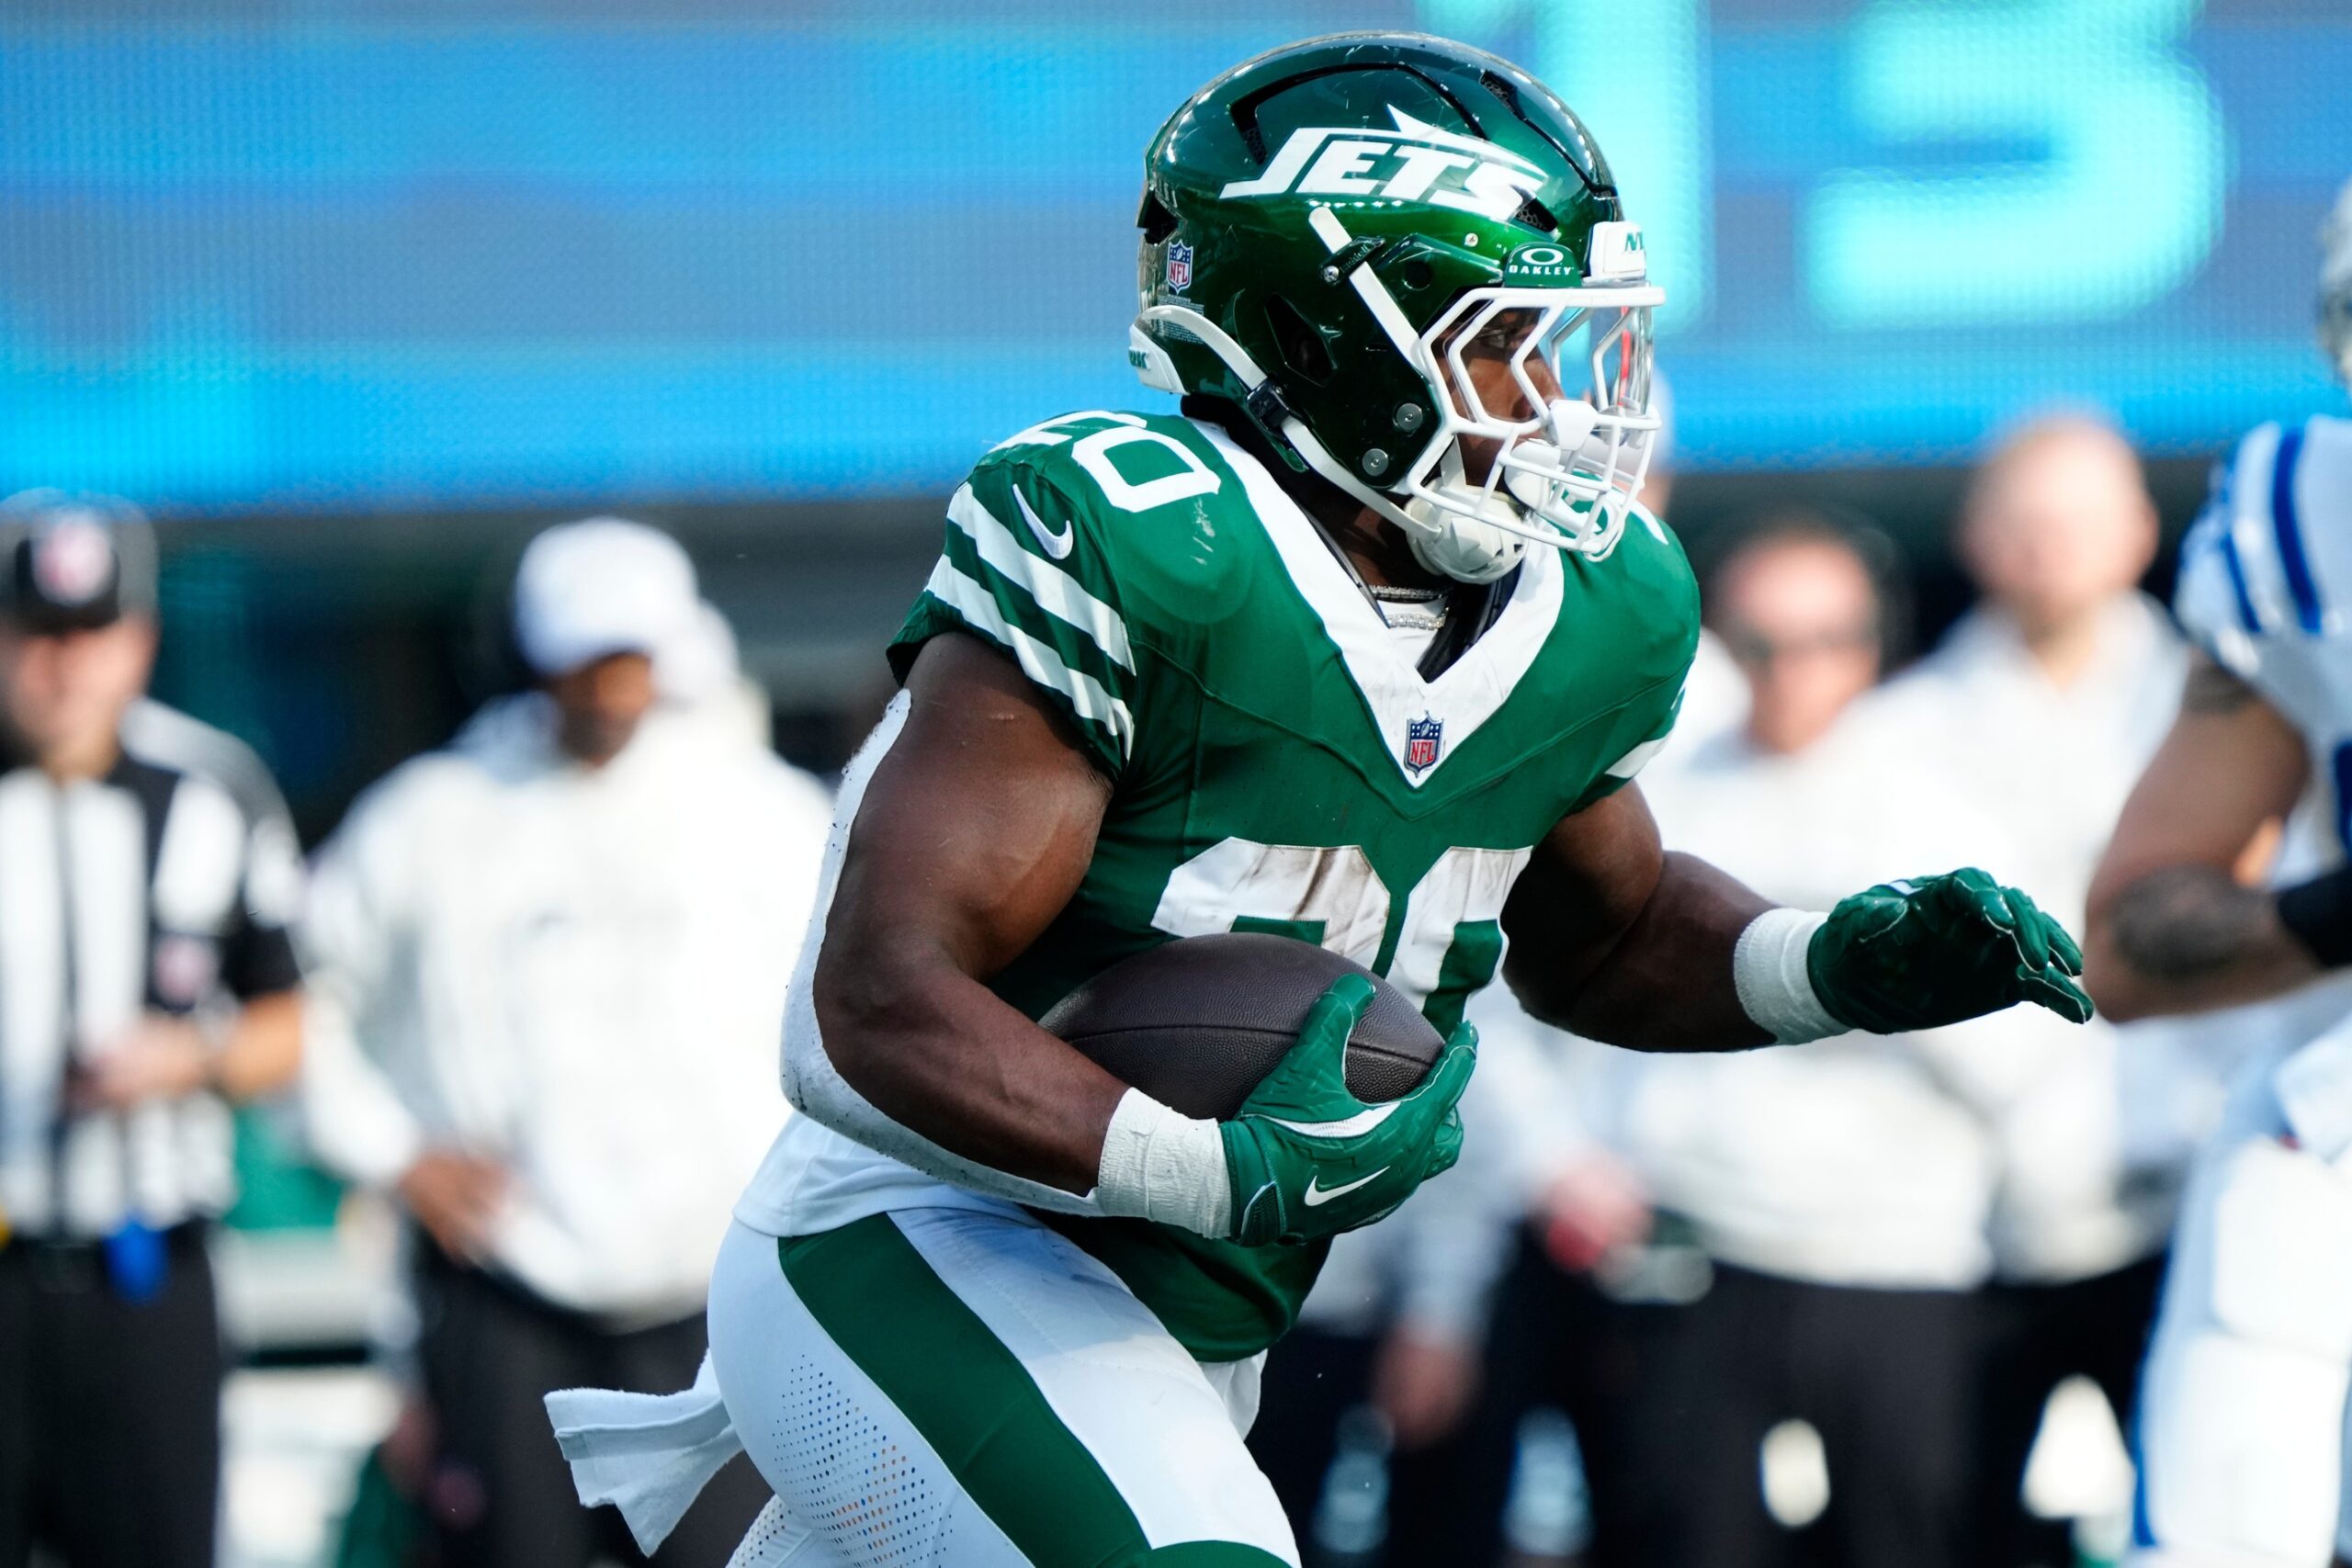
point(1278, 762)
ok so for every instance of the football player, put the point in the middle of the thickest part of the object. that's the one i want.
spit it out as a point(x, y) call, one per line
point(2242, 1401)
point(1364, 645)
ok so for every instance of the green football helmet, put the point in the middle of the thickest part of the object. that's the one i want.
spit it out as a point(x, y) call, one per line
point(1330, 228)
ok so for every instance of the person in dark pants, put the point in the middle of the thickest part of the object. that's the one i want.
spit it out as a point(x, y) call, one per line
point(110, 1408)
point(2034, 1338)
point(1317, 1384)
point(1884, 1376)
point(489, 1352)
point(1838, 1189)
point(147, 980)
point(549, 969)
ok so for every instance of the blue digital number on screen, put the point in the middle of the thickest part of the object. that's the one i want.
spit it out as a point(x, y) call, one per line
point(2116, 198)
point(520, 252)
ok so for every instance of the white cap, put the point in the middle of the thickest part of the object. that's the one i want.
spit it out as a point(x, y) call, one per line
point(586, 590)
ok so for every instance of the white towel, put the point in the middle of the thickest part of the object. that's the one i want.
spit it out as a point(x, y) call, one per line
point(648, 1454)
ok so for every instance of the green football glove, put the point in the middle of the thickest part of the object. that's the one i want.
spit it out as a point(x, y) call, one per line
point(1307, 1160)
point(1936, 950)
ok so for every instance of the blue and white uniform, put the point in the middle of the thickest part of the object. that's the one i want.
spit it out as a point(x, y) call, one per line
point(2243, 1409)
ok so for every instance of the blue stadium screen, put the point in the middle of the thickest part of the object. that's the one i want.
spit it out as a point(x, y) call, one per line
point(417, 253)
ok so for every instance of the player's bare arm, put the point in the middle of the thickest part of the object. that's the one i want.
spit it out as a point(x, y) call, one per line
point(1618, 939)
point(975, 831)
point(2174, 926)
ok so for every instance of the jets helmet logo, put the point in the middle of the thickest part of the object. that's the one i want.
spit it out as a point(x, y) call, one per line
point(1423, 736)
point(1417, 161)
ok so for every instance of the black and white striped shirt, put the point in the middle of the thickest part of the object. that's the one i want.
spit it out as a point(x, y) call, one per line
point(169, 886)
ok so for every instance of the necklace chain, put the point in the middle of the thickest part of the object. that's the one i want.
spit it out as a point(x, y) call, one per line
point(1412, 609)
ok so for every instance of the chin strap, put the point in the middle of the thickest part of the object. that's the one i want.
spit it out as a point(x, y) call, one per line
point(1456, 551)
point(1272, 414)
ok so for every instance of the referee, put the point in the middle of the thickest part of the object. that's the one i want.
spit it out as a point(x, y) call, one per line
point(147, 874)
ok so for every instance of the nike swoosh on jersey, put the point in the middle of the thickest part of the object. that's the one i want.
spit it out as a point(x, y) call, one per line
point(1318, 1196)
point(1056, 545)
point(1363, 1120)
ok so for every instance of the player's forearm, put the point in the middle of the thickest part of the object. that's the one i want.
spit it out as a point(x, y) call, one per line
point(2187, 939)
point(936, 1052)
point(1666, 984)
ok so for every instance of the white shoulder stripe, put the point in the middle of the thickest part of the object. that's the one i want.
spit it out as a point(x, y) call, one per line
point(2248, 535)
point(1038, 659)
point(1056, 590)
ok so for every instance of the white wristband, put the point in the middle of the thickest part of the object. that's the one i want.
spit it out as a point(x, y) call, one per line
point(1768, 969)
point(1160, 1166)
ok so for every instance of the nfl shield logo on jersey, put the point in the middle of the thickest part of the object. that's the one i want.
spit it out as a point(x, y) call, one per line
point(1423, 736)
point(1179, 266)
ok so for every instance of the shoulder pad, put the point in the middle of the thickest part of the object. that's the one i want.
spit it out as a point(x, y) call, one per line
point(2265, 573)
point(1131, 506)
point(2271, 556)
point(1039, 543)
point(1651, 562)
point(1114, 465)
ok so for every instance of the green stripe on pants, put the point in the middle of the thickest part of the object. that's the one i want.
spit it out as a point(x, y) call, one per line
point(969, 1397)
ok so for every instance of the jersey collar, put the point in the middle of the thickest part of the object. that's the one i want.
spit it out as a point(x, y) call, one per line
point(1441, 715)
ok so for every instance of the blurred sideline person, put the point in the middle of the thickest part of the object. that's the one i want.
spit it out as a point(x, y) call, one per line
point(550, 961)
point(1840, 1188)
point(2044, 703)
point(149, 980)
point(2243, 1398)
point(702, 675)
point(1715, 697)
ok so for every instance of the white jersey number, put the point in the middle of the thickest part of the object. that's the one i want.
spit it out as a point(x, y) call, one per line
point(1449, 949)
point(1093, 451)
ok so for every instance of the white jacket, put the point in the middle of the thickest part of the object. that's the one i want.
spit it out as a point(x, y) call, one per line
point(577, 972)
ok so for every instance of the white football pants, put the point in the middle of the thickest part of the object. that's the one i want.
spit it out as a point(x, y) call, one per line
point(950, 1387)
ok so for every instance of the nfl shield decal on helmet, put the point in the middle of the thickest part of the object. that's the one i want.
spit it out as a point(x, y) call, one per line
point(1179, 265)
point(1423, 736)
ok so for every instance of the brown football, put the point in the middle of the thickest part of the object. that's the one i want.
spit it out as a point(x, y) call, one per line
point(1197, 1023)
